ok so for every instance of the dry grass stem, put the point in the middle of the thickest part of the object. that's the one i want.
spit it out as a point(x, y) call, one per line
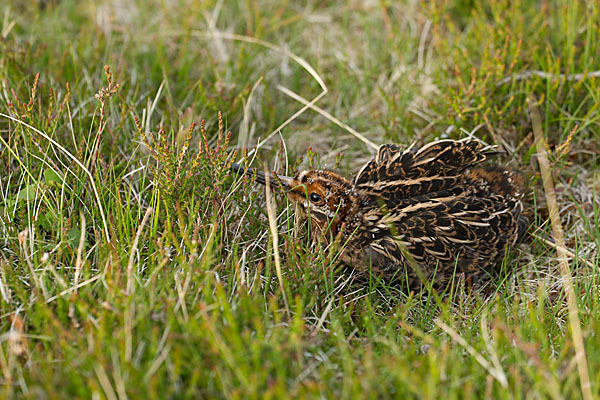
point(330, 117)
point(558, 234)
point(245, 132)
point(130, 287)
point(566, 252)
point(273, 226)
point(498, 375)
point(105, 382)
point(71, 289)
point(157, 363)
point(323, 317)
point(130, 308)
point(79, 260)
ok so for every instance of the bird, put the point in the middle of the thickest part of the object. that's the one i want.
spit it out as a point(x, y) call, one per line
point(423, 215)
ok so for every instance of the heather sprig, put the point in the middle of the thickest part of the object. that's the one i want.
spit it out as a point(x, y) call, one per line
point(176, 171)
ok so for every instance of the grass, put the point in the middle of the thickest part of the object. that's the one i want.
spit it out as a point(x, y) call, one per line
point(133, 265)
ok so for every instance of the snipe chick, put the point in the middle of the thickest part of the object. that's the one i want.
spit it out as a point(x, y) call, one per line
point(419, 215)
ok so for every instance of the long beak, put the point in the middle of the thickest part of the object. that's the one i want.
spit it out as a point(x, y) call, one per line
point(274, 179)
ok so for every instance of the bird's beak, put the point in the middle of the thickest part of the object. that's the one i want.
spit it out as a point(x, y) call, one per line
point(261, 177)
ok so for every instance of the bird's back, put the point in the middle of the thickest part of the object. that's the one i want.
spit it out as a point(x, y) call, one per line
point(394, 175)
point(432, 212)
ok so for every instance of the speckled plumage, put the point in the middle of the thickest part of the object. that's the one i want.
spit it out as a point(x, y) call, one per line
point(423, 214)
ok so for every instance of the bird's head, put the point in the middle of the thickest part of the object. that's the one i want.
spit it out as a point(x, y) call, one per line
point(329, 199)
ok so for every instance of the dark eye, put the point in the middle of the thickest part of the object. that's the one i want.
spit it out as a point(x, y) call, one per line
point(314, 197)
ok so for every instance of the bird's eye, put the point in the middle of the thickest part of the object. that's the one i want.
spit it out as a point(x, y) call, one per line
point(314, 197)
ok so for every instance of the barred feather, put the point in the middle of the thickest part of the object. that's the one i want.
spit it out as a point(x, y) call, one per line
point(394, 175)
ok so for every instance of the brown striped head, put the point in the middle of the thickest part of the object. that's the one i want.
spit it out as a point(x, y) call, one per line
point(329, 199)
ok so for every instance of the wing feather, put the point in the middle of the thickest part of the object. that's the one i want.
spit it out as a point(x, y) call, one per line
point(431, 168)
